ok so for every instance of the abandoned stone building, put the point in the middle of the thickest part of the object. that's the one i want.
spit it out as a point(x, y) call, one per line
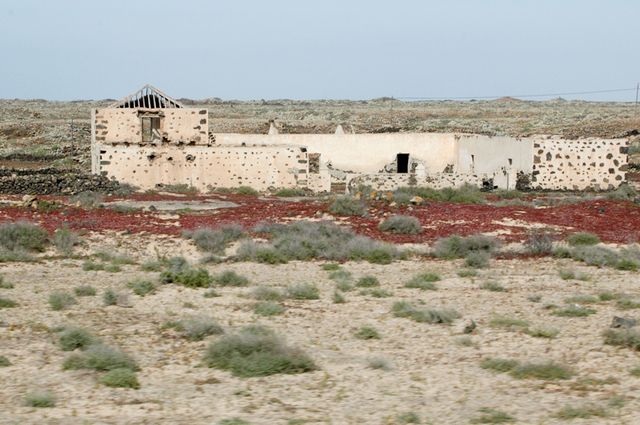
point(149, 140)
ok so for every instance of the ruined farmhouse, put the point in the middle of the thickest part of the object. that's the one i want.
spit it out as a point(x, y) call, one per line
point(149, 139)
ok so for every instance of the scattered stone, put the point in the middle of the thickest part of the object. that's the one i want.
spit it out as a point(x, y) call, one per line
point(470, 327)
point(416, 200)
point(623, 322)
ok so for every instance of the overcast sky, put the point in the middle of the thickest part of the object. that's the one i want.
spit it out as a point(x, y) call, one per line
point(334, 49)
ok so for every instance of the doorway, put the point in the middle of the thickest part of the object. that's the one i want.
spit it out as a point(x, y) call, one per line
point(402, 161)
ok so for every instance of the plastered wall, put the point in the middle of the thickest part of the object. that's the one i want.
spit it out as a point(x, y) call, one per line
point(177, 125)
point(203, 167)
point(597, 164)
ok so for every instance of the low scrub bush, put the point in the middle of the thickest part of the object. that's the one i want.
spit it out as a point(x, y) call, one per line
point(72, 338)
point(256, 351)
point(215, 240)
point(348, 206)
point(583, 238)
point(196, 328)
point(331, 267)
point(539, 242)
point(65, 241)
point(88, 199)
point(378, 293)
point(378, 363)
point(7, 303)
point(510, 323)
point(61, 300)
point(230, 278)
point(492, 416)
point(110, 297)
point(290, 192)
point(22, 236)
point(466, 194)
point(574, 311)
point(368, 282)
point(581, 412)
point(40, 399)
point(142, 287)
point(401, 224)
point(467, 273)
point(4, 284)
point(582, 299)
point(629, 338)
point(268, 308)
point(338, 297)
point(424, 281)
point(569, 274)
point(303, 291)
point(186, 275)
point(246, 190)
point(596, 255)
point(498, 364)
point(547, 370)
point(115, 258)
point(542, 332)
point(624, 192)
point(265, 293)
point(477, 260)
point(408, 418)
point(624, 303)
point(367, 332)
point(84, 291)
point(493, 287)
point(120, 378)
point(4, 361)
point(459, 247)
point(424, 315)
point(99, 357)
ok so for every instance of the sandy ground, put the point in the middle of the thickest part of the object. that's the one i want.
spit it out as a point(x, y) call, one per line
point(432, 375)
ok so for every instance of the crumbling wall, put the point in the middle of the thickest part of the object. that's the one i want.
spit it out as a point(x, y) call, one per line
point(203, 167)
point(593, 164)
point(393, 181)
point(177, 125)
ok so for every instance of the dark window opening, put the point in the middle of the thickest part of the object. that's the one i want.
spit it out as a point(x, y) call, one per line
point(150, 129)
point(402, 160)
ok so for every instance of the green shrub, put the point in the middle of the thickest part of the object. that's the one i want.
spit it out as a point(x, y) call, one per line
point(211, 293)
point(568, 274)
point(40, 399)
point(256, 351)
point(152, 266)
point(423, 281)
point(465, 194)
point(627, 264)
point(115, 258)
point(492, 416)
point(99, 357)
point(22, 236)
point(539, 242)
point(625, 303)
point(633, 372)
point(348, 206)
point(378, 293)
point(246, 190)
point(581, 412)
point(595, 255)
point(61, 300)
point(581, 299)
point(7, 303)
point(265, 293)
point(72, 338)
point(368, 282)
point(367, 332)
point(424, 315)
point(574, 311)
point(84, 291)
point(331, 267)
point(4, 284)
point(90, 265)
point(583, 238)
point(477, 260)
point(401, 224)
point(493, 287)
point(467, 273)
point(341, 276)
point(4, 361)
point(142, 287)
point(459, 247)
point(196, 328)
point(230, 278)
point(608, 296)
point(120, 378)
point(624, 192)
point(65, 240)
point(188, 276)
point(110, 297)
point(303, 291)
point(215, 240)
point(338, 298)
point(629, 338)
point(499, 365)
point(542, 332)
point(548, 370)
point(233, 421)
point(268, 308)
point(408, 418)
point(290, 192)
point(508, 323)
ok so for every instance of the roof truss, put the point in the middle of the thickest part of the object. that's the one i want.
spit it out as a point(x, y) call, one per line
point(147, 97)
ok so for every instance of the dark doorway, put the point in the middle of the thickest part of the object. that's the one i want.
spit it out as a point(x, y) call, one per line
point(402, 159)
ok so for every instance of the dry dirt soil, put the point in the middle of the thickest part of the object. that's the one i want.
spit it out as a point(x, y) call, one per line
point(434, 371)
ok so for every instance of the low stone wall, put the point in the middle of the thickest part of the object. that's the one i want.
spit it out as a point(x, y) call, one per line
point(52, 181)
point(393, 181)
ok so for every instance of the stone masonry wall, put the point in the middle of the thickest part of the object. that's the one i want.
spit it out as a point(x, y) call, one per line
point(177, 125)
point(393, 181)
point(584, 164)
point(203, 167)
